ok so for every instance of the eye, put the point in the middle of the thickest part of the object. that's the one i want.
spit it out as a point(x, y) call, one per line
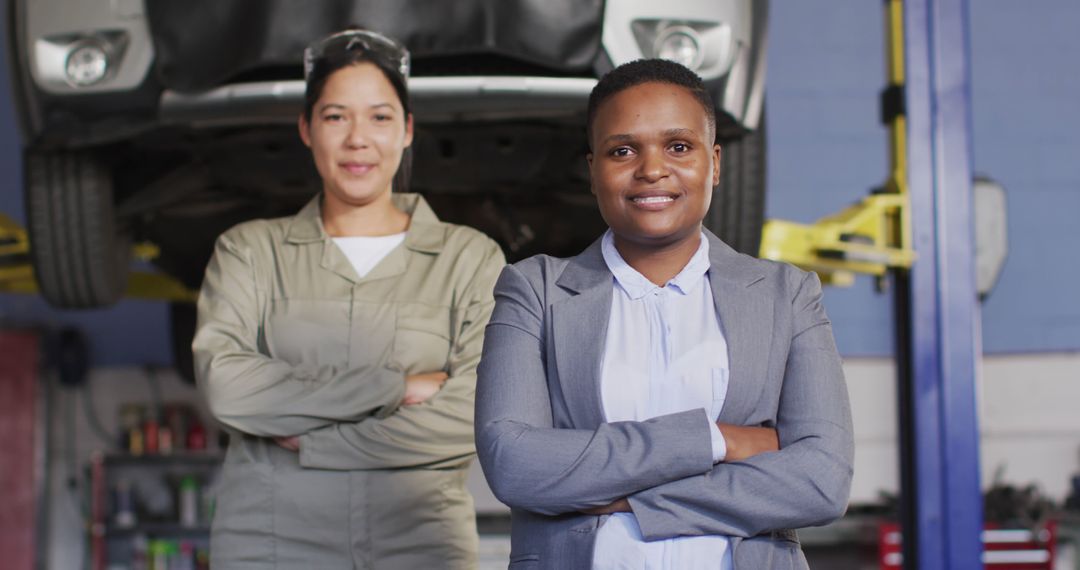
point(383, 117)
point(620, 152)
point(680, 147)
point(333, 118)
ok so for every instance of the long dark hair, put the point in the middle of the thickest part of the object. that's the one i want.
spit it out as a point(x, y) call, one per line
point(346, 53)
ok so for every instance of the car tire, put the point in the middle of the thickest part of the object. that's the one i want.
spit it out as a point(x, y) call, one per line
point(737, 213)
point(80, 259)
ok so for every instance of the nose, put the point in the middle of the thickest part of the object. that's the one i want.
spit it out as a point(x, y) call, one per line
point(356, 138)
point(652, 166)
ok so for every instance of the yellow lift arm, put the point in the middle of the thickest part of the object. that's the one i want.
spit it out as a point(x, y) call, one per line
point(873, 235)
point(17, 274)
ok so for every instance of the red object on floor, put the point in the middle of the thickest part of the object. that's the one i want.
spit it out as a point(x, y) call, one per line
point(890, 548)
point(1003, 548)
point(20, 459)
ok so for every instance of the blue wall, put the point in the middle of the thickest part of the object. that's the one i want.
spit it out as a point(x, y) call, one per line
point(827, 149)
point(1026, 122)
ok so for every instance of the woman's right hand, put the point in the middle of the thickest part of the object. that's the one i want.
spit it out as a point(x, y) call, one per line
point(744, 442)
point(420, 387)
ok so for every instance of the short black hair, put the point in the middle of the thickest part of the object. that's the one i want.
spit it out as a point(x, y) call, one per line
point(643, 71)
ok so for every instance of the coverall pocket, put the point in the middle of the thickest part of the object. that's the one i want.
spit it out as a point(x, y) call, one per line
point(422, 338)
point(306, 331)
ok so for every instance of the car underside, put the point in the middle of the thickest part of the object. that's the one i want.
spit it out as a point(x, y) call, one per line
point(167, 122)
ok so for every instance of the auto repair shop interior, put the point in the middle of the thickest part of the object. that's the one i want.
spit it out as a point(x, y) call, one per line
point(919, 155)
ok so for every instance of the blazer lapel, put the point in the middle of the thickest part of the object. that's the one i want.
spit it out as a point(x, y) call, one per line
point(580, 322)
point(746, 317)
point(579, 329)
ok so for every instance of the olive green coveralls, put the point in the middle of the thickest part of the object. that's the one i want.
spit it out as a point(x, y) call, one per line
point(291, 342)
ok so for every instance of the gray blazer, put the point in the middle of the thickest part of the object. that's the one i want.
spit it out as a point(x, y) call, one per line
point(548, 452)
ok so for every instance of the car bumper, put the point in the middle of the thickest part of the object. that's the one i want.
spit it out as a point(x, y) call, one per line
point(434, 100)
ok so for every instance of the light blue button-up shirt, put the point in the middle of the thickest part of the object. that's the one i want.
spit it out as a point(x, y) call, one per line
point(665, 353)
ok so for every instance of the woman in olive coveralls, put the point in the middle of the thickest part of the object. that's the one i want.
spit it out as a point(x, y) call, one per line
point(340, 346)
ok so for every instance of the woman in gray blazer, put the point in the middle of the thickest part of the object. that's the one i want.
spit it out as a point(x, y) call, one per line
point(659, 400)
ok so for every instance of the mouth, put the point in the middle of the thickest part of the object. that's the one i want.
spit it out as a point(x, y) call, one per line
point(653, 200)
point(357, 168)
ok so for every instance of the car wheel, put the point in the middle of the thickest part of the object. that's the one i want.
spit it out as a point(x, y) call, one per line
point(80, 259)
point(737, 213)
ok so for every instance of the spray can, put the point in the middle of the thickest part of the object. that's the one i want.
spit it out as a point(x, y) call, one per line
point(124, 510)
point(189, 502)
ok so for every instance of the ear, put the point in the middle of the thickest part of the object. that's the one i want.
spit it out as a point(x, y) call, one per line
point(716, 165)
point(303, 126)
point(408, 130)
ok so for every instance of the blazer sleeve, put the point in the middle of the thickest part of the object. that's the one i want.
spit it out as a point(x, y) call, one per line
point(531, 465)
point(437, 433)
point(259, 395)
point(806, 483)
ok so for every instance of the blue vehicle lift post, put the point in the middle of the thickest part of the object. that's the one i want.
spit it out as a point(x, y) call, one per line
point(937, 314)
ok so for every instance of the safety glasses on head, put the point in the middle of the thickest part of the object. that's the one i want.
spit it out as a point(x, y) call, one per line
point(377, 45)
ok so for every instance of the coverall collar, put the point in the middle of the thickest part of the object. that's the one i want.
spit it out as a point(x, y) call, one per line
point(425, 234)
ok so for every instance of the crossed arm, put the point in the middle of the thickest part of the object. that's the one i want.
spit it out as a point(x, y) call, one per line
point(663, 466)
point(259, 395)
point(742, 442)
point(363, 418)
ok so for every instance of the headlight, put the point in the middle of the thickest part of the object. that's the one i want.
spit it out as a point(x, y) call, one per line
point(83, 62)
point(680, 44)
point(707, 48)
point(87, 64)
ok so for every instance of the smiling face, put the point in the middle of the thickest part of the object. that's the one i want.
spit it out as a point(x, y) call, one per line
point(357, 134)
point(654, 164)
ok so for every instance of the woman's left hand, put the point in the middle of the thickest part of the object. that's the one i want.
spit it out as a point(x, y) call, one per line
point(291, 443)
point(419, 388)
point(744, 442)
point(619, 506)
